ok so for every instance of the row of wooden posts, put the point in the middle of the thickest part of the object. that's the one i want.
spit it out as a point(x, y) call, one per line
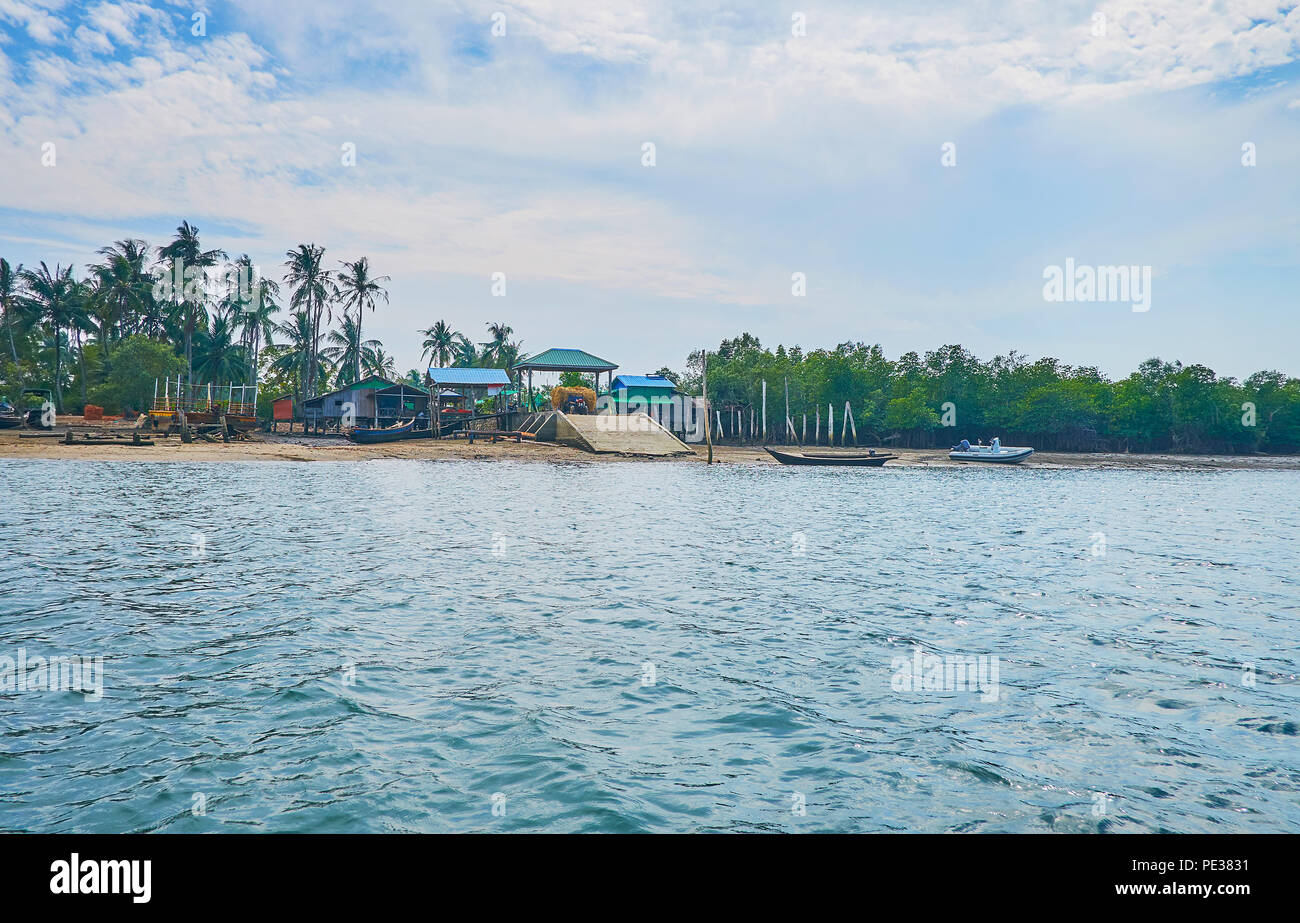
point(732, 424)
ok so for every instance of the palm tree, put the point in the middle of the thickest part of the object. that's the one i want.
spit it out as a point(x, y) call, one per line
point(348, 352)
point(185, 249)
point(312, 286)
point(56, 296)
point(439, 343)
point(358, 290)
point(464, 355)
point(82, 323)
point(122, 292)
point(294, 359)
point(380, 363)
point(219, 357)
point(10, 300)
point(254, 316)
point(492, 350)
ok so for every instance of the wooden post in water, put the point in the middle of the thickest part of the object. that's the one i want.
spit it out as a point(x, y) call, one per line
point(764, 431)
point(830, 424)
point(817, 427)
point(708, 435)
point(848, 415)
point(805, 427)
point(789, 427)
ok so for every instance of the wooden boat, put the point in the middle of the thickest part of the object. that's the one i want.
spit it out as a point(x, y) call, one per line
point(867, 459)
point(996, 453)
point(394, 433)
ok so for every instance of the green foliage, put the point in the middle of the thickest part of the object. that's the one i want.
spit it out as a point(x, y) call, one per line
point(138, 362)
point(1162, 407)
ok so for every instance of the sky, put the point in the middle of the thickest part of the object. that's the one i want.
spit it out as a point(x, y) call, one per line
point(920, 164)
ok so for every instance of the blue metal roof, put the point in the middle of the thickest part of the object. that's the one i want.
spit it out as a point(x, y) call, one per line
point(640, 381)
point(469, 376)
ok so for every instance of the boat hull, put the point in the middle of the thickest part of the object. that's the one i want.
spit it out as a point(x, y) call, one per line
point(1005, 457)
point(372, 436)
point(829, 459)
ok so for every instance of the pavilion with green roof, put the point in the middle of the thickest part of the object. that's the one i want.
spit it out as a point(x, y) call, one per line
point(565, 360)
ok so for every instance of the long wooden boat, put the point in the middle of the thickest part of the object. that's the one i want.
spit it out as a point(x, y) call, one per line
point(394, 433)
point(846, 459)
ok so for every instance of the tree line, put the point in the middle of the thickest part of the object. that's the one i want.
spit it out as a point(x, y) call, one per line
point(936, 399)
point(140, 313)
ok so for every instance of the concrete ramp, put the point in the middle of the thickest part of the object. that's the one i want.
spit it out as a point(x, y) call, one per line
point(624, 434)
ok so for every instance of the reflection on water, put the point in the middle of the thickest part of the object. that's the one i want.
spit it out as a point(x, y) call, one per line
point(372, 646)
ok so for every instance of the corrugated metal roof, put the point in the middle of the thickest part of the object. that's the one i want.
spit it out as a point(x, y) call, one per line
point(469, 376)
point(563, 360)
point(370, 381)
point(640, 381)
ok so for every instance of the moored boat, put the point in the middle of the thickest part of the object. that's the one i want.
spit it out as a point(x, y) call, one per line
point(996, 453)
point(867, 459)
point(392, 433)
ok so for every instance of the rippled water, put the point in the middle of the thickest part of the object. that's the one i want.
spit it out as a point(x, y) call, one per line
point(1124, 698)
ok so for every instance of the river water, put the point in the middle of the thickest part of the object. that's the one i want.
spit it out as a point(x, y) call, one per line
point(479, 646)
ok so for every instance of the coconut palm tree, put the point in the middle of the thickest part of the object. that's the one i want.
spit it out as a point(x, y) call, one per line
point(253, 315)
point(380, 363)
point(10, 300)
point(464, 353)
point(56, 297)
point(218, 358)
point(185, 250)
point(348, 352)
point(294, 356)
point(439, 343)
point(122, 294)
point(492, 350)
point(358, 289)
point(312, 290)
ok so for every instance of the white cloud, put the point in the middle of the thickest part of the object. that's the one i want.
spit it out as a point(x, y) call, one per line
point(38, 20)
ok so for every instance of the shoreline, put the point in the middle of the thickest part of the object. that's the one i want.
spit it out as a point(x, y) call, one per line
point(279, 447)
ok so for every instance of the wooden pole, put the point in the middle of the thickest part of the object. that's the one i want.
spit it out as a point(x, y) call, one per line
point(708, 436)
point(765, 410)
point(817, 431)
point(830, 424)
point(848, 413)
point(788, 425)
point(805, 427)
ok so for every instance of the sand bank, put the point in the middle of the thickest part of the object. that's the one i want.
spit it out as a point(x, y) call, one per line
point(264, 447)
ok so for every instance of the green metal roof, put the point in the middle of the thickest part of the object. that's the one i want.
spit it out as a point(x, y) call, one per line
point(566, 360)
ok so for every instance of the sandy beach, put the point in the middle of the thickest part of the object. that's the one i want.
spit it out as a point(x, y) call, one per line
point(283, 447)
